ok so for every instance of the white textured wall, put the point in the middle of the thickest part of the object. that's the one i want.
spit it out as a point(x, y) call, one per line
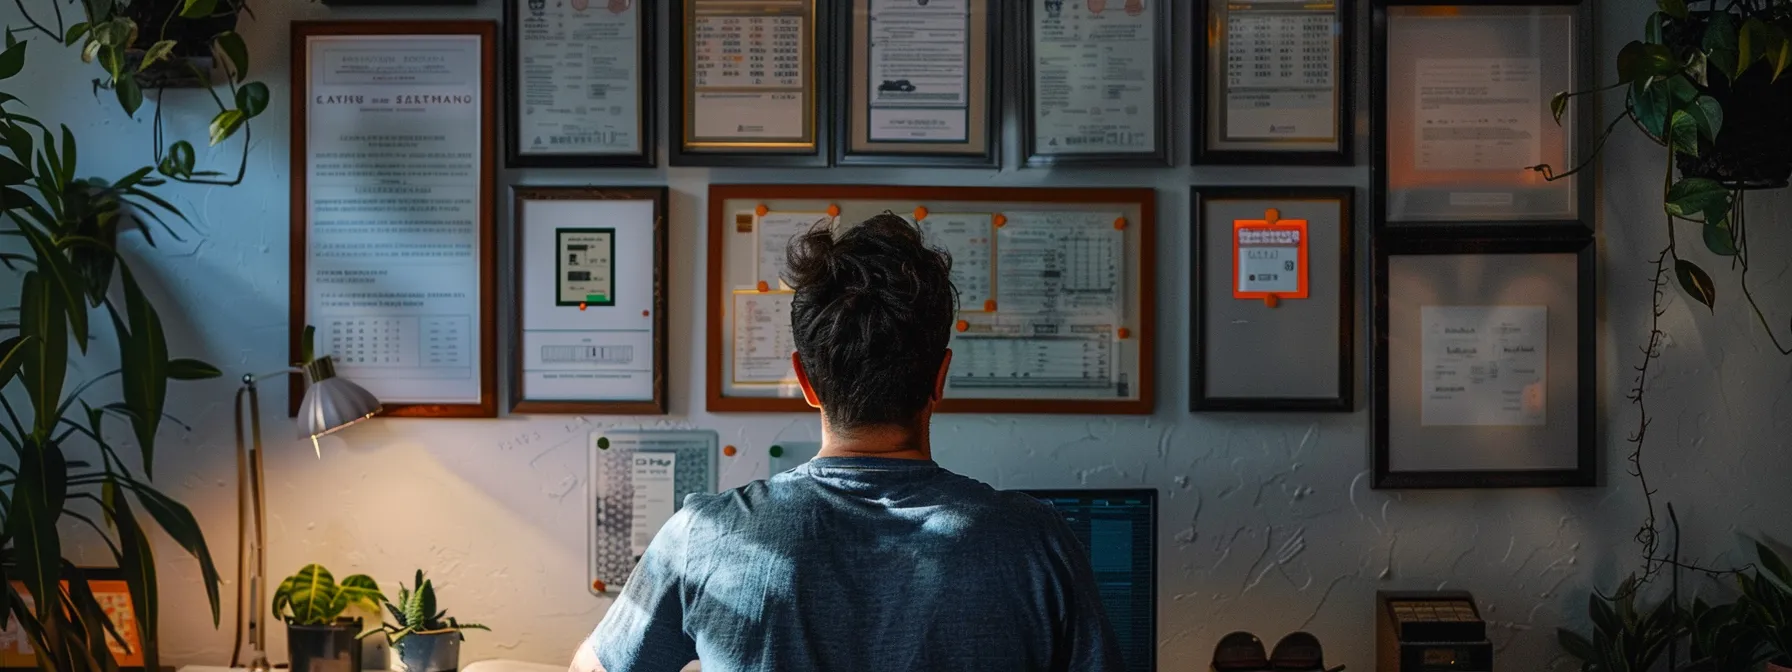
point(1268, 523)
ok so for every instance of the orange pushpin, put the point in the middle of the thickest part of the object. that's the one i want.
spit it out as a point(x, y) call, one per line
point(963, 325)
point(729, 451)
point(763, 287)
point(1125, 333)
point(1270, 300)
point(1271, 215)
point(833, 210)
point(761, 210)
point(644, 313)
point(1119, 223)
point(581, 305)
point(989, 306)
point(1000, 220)
point(598, 585)
point(920, 213)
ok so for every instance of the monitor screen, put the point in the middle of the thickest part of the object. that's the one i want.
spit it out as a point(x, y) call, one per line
point(1119, 528)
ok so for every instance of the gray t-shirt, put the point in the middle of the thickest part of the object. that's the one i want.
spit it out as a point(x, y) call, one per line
point(861, 565)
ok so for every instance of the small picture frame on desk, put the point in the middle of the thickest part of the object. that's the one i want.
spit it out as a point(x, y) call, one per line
point(1462, 113)
point(114, 597)
point(919, 84)
point(590, 301)
point(1273, 299)
point(1275, 81)
point(1486, 370)
point(753, 83)
point(582, 83)
point(1093, 78)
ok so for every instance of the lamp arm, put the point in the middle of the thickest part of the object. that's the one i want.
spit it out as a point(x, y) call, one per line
point(251, 543)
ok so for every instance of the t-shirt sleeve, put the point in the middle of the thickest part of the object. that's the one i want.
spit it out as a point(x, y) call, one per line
point(1086, 641)
point(643, 631)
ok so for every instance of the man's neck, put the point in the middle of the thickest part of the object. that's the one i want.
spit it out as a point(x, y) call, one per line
point(886, 441)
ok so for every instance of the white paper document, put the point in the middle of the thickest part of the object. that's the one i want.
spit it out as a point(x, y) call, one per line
point(919, 80)
point(653, 475)
point(1269, 260)
point(774, 231)
point(1095, 76)
point(969, 239)
point(587, 308)
point(749, 72)
point(1484, 365)
point(1280, 64)
point(762, 339)
point(393, 212)
point(1478, 114)
point(578, 77)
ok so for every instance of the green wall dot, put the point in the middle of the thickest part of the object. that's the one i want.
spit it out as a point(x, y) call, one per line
point(777, 451)
point(603, 443)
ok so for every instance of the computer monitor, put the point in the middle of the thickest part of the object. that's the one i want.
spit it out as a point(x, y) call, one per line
point(1119, 529)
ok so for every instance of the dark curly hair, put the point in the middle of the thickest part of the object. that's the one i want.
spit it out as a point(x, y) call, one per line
point(871, 317)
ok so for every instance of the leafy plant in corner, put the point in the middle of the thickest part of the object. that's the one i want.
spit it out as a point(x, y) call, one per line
point(415, 613)
point(1722, 640)
point(1767, 601)
point(312, 596)
point(1625, 637)
point(155, 45)
point(70, 281)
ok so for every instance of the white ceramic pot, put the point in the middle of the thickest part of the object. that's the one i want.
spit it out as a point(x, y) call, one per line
point(439, 652)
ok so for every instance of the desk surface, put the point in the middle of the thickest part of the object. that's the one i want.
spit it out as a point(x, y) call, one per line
point(481, 666)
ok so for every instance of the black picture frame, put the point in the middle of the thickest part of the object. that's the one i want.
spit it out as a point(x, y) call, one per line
point(1020, 75)
point(823, 35)
point(1345, 155)
point(1554, 239)
point(647, 61)
point(1199, 401)
point(1584, 125)
point(843, 73)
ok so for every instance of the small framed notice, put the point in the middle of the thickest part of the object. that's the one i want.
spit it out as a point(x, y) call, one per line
point(919, 83)
point(1486, 372)
point(1274, 81)
point(1273, 299)
point(1093, 79)
point(637, 481)
point(590, 301)
point(581, 86)
point(752, 78)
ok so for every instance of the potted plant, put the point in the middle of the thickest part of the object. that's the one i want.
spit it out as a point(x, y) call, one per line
point(1625, 638)
point(1767, 601)
point(425, 638)
point(318, 635)
point(1722, 638)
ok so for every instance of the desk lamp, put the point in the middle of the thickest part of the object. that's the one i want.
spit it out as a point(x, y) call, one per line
point(330, 404)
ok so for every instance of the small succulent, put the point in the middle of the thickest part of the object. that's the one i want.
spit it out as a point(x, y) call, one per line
point(311, 596)
point(415, 613)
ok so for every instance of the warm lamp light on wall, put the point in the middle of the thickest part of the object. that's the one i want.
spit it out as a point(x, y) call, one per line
point(330, 404)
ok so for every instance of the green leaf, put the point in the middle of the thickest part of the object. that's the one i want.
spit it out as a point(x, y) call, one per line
point(41, 314)
point(180, 159)
point(225, 124)
point(1696, 283)
point(1773, 565)
point(198, 9)
point(357, 589)
point(191, 369)
point(230, 45)
point(137, 561)
point(1648, 105)
point(60, 277)
point(1558, 104)
point(1719, 238)
point(95, 622)
point(315, 592)
point(130, 95)
point(144, 355)
point(68, 155)
point(1695, 195)
point(1710, 117)
point(37, 499)
point(252, 99)
point(13, 352)
point(1673, 8)
point(1753, 41)
point(12, 60)
point(1720, 32)
point(178, 522)
point(13, 172)
point(75, 33)
point(1781, 57)
point(156, 53)
point(1652, 28)
point(1683, 133)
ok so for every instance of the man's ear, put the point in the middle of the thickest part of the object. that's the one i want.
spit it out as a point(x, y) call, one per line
point(802, 380)
point(939, 383)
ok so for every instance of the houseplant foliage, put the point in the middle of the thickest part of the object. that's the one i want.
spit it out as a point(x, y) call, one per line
point(426, 637)
point(144, 47)
point(63, 230)
point(1626, 637)
point(1767, 603)
point(312, 602)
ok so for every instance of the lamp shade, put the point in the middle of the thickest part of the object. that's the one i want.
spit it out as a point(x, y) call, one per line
point(332, 403)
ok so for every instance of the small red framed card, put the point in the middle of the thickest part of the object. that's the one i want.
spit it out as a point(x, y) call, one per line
point(1269, 258)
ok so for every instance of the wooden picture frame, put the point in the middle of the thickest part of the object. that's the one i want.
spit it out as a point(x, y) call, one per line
point(1264, 152)
point(1132, 342)
point(654, 403)
point(646, 89)
point(686, 150)
point(1564, 254)
point(1477, 205)
point(485, 357)
point(110, 590)
point(1021, 71)
point(1205, 299)
point(982, 146)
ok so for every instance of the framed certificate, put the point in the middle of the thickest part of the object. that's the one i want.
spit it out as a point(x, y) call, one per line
point(590, 301)
point(1274, 78)
point(1273, 285)
point(1056, 292)
point(1093, 77)
point(1486, 374)
point(751, 88)
point(581, 82)
point(394, 160)
point(1462, 112)
point(918, 84)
